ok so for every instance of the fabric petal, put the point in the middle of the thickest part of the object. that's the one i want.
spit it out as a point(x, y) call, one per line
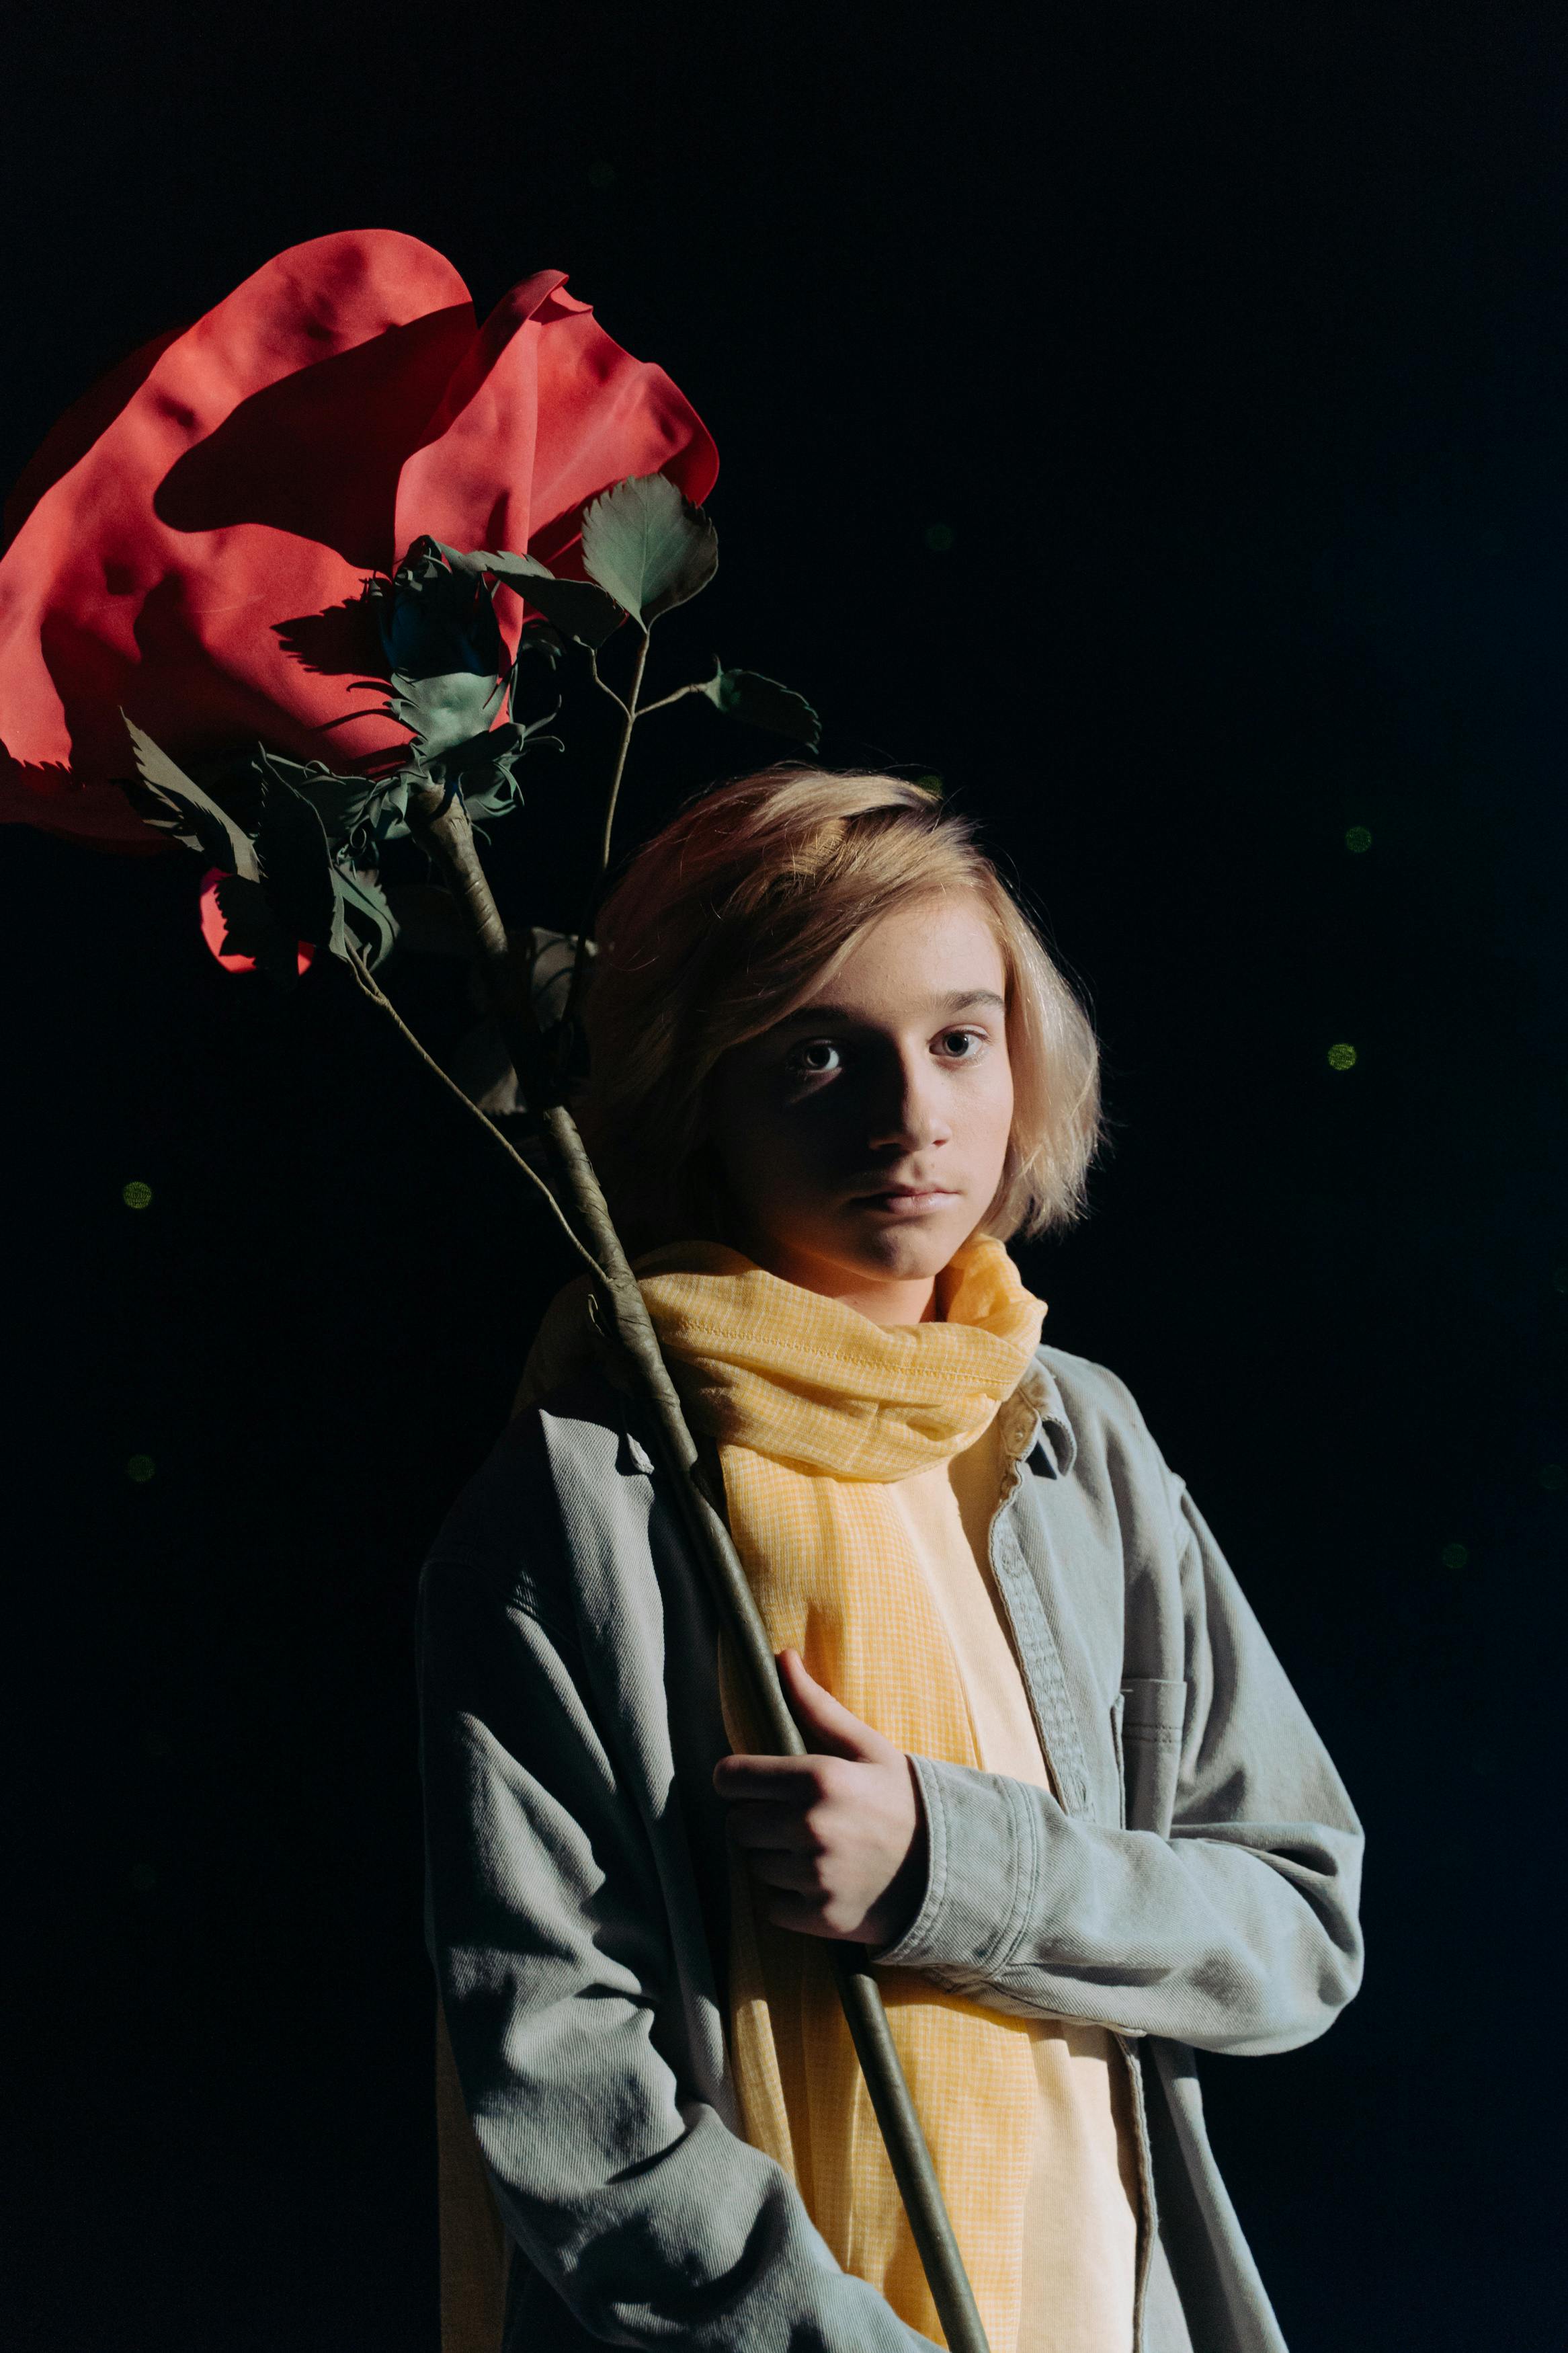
point(191, 543)
point(229, 506)
point(547, 412)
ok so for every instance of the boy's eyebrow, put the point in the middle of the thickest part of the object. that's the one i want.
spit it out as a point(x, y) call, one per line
point(953, 1000)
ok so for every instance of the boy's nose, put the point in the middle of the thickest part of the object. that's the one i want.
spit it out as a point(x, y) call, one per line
point(908, 1113)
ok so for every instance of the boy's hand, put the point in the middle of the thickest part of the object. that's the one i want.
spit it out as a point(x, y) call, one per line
point(838, 1834)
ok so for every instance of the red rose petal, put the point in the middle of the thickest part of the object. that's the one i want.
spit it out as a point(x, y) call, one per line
point(191, 539)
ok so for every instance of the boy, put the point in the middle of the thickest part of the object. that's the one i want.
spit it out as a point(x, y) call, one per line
point(1060, 1785)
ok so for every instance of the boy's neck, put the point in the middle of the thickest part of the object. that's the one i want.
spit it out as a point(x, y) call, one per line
point(894, 1302)
point(889, 1302)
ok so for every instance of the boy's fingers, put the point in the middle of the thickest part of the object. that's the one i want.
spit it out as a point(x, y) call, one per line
point(779, 1826)
point(793, 1872)
point(789, 1780)
point(800, 1912)
point(829, 1727)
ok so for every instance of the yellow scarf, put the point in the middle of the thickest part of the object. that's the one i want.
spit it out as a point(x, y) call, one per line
point(816, 1410)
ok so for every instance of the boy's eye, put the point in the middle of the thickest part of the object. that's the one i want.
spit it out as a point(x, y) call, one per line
point(821, 1057)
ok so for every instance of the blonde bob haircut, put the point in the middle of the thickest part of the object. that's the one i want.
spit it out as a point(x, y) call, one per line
point(747, 899)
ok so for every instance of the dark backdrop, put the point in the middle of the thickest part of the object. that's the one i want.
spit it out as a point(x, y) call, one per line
point(1147, 418)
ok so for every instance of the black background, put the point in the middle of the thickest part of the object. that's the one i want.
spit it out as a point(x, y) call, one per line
point(1227, 344)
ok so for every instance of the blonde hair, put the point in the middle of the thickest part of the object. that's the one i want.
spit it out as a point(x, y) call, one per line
point(726, 919)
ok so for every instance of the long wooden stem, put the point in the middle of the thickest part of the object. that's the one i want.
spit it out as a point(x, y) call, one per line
point(445, 828)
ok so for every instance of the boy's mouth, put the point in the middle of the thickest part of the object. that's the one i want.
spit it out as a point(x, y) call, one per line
point(909, 1200)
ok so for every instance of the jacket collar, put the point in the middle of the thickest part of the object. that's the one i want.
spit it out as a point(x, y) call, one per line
point(1051, 1447)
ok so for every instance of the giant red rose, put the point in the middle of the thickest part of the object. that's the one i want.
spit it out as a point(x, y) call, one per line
point(191, 543)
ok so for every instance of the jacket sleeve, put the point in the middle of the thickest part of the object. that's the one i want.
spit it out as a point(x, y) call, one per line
point(545, 1920)
point(1235, 1931)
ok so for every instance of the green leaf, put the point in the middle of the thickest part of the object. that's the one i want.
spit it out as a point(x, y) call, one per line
point(166, 797)
point(485, 766)
point(388, 819)
point(364, 911)
point(534, 693)
point(649, 547)
point(344, 804)
point(285, 886)
point(763, 703)
point(575, 606)
point(312, 896)
point(497, 795)
point(445, 710)
point(296, 870)
point(472, 760)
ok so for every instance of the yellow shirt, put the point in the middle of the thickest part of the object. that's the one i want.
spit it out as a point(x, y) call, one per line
point(1081, 2219)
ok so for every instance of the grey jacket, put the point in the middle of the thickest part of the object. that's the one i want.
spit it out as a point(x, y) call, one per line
point(1194, 1889)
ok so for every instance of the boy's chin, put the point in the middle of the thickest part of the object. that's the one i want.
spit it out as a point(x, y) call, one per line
point(907, 1251)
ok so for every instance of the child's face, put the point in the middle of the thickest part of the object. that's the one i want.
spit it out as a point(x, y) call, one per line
point(891, 1074)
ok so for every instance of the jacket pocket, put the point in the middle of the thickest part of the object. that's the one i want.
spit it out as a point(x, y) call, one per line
point(1148, 1737)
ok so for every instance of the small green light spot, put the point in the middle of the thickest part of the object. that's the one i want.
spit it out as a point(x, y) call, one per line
point(939, 538)
point(931, 782)
point(601, 174)
point(1453, 1556)
point(1341, 1057)
point(1560, 1278)
point(1358, 837)
point(136, 1196)
point(140, 1469)
point(143, 1878)
point(1553, 1475)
